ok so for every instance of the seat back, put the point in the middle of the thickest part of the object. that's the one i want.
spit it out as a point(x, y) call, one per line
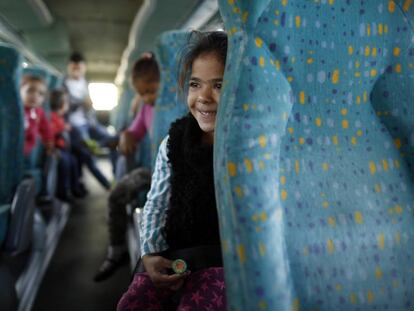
point(169, 106)
point(314, 155)
point(143, 153)
point(11, 131)
point(20, 229)
point(120, 116)
point(55, 82)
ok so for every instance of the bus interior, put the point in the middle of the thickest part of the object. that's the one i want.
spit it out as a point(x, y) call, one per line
point(313, 149)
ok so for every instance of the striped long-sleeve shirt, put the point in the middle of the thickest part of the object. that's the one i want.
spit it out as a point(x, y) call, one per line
point(158, 199)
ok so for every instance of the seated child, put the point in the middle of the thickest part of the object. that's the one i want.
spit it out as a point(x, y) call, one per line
point(145, 79)
point(180, 220)
point(33, 93)
point(81, 114)
point(68, 178)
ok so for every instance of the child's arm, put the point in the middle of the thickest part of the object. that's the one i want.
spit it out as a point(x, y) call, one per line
point(154, 213)
point(136, 104)
point(135, 133)
point(137, 128)
point(57, 125)
point(152, 223)
point(127, 143)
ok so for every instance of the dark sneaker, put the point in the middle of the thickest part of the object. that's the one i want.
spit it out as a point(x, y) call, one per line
point(109, 266)
point(94, 147)
point(66, 197)
point(79, 193)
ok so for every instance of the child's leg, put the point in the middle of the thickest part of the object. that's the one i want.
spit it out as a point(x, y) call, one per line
point(122, 194)
point(64, 174)
point(87, 158)
point(204, 290)
point(83, 131)
point(101, 134)
point(74, 172)
point(121, 167)
point(125, 190)
point(142, 295)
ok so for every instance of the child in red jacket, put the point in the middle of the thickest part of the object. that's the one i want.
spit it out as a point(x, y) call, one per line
point(68, 177)
point(33, 93)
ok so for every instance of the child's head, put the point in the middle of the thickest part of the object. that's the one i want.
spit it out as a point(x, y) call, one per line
point(145, 77)
point(202, 76)
point(59, 102)
point(33, 91)
point(76, 66)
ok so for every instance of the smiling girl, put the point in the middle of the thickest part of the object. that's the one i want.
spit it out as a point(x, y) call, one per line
point(180, 217)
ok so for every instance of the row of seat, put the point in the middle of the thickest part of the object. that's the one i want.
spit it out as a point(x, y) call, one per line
point(28, 234)
point(22, 191)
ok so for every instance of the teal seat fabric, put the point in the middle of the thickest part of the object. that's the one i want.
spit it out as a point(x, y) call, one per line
point(169, 105)
point(11, 130)
point(143, 153)
point(120, 116)
point(33, 165)
point(4, 221)
point(314, 155)
point(38, 72)
point(55, 82)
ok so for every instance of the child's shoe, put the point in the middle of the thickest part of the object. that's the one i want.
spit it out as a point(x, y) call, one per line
point(66, 197)
point(94, 147)
point(116, 257)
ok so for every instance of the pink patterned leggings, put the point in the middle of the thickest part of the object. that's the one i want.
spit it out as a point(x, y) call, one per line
point(203, 290)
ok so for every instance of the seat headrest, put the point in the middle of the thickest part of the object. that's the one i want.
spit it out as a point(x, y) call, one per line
point(169, 105)
point(38, 72)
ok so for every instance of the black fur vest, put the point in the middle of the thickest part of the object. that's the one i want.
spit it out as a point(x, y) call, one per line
point(192, 216)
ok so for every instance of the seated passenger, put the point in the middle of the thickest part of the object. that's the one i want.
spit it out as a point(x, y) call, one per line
point(85, 156)
point(145, 79)
point(68, 177)
point(180, 217)
point(33, 91)
point(83, 121)
point(81, 114)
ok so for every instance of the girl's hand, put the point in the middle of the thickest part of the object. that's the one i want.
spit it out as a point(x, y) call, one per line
point(127, 143)
point(136, 103)
point(156, 267)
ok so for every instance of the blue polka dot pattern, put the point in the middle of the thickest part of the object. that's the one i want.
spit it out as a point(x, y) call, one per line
point(169, 105)
point(314, 155)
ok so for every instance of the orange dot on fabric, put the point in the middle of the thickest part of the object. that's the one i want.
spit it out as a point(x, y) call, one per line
point(335, 76)
point(391, 6)
point(232, 169)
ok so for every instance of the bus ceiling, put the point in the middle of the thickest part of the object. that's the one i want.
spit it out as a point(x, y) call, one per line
point(110, 36)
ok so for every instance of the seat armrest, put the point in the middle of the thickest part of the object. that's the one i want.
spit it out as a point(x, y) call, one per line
point(19, 233)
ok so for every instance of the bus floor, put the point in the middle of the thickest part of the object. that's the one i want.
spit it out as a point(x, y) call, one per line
point(68, 283)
